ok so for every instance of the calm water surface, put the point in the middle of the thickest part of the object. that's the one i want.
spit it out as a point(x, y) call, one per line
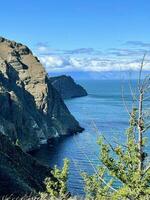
point(103, 108)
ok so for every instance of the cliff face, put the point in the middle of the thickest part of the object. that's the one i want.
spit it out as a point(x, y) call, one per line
point(31, 110)
point(67, 87)
point(19, 173)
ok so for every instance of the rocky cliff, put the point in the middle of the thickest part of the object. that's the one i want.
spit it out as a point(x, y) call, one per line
point(67, 87)
point(31, 110)
point(20, 174)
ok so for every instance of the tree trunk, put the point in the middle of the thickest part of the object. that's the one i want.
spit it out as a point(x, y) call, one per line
point(140, 130)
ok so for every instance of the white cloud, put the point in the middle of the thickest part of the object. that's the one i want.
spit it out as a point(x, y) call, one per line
point(138, 43)
point(42, 49)
point(89, 59)
point(59, 63)
point(52, 61)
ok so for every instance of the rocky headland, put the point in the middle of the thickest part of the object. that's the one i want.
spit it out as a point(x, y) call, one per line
point(31, 110)
point(67, 87)
point(31, 113)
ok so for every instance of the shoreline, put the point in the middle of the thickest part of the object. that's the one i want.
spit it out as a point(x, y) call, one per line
point(51, 141)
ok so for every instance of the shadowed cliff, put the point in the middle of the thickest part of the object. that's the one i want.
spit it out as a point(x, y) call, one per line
point(19, 172)
point(31, 110)
point(67, 87)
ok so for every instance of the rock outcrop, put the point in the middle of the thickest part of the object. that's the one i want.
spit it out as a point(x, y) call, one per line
point(31, 110)
point(67, 87)
point(20, 174)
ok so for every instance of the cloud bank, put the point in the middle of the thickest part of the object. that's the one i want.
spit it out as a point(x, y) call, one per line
point(94, 60)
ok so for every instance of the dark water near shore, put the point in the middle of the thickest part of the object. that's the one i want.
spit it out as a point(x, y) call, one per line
point(103, 108)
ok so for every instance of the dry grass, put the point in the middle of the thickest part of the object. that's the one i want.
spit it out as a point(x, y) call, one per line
point(37, 198)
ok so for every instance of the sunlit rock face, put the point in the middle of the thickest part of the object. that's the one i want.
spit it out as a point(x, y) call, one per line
point(31, 110)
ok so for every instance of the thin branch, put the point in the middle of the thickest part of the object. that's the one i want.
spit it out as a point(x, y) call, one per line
point(140, 72)
point(146, 81)
point(98, 133)
point(146, 98)
point(94, 168)
point(133, 94)
point(77, 166)
point(146, 128)
point(120, 144)
point(147, 168)
point(124, 102)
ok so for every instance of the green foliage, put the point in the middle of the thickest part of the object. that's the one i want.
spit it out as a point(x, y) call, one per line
point(17, 143)
point(122, 164)
point(95, 187)
point(57, 187)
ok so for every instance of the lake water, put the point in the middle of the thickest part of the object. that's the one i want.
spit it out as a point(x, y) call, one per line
point(102, 111)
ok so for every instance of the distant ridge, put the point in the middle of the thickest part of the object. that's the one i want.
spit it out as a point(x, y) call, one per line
point(103, 75)
point(67, 87)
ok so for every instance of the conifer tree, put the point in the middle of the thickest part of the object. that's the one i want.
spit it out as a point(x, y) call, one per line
point(126, 164)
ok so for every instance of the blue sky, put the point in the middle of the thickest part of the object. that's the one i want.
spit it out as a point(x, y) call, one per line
point(80, 35)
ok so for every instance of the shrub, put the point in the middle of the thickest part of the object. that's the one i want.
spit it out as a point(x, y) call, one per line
point(57, 189)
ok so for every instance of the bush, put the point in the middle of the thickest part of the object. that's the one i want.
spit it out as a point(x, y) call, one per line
point(57, 189)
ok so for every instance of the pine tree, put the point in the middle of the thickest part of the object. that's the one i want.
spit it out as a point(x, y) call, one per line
point(125, 163)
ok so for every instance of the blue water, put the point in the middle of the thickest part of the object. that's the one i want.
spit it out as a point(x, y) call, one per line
point(102, 111)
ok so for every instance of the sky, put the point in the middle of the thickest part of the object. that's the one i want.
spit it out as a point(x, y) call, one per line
point(87, 36)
